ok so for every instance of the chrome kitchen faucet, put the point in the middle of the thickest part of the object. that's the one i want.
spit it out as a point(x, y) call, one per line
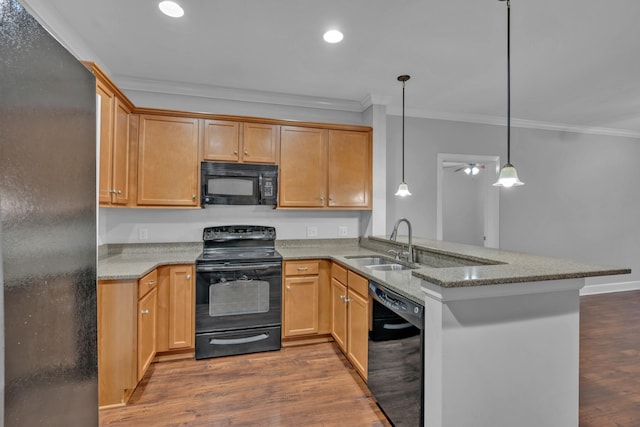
point(394, 235)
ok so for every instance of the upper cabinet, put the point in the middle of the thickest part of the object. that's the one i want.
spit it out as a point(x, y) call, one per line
point(325, 168)
point(349, 182)
point(303, 167)
point(151, 157)
point(230, 141)
point(113, 185)
point(168, 168)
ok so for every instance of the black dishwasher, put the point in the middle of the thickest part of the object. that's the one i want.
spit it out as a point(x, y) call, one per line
point(396, 360)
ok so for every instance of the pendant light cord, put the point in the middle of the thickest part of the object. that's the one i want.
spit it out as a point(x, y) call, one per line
point(403, 131)
point(509, 81)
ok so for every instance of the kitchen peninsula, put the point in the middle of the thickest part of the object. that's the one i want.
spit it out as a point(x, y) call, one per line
point(501, 328)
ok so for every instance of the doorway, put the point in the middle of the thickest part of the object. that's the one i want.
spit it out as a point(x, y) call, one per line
point(468, 204)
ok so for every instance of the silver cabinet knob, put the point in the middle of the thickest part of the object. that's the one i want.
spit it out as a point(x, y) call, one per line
point(246, 153)
point(322, 199)
point(235, 151)
point(347, 300)
point(193, 196)
point(288, 287)
point(144, 311)
point(188, 277)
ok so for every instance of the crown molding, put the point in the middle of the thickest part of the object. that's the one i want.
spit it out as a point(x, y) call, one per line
point(519, 123)
point(232, 94)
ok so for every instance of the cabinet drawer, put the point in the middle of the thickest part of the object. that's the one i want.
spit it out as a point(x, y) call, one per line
point(339, 273)
point(358, 283)
point(147, 283)
point(301, 268)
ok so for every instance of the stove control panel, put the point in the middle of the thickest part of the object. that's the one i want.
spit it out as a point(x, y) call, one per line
point(239, 232)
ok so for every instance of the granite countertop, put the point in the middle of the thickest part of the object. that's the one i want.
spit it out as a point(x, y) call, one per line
point(445, 264)
point(449, 265)
point(131, 262)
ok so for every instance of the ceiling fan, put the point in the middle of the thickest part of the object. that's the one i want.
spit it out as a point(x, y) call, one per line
point(471, 169)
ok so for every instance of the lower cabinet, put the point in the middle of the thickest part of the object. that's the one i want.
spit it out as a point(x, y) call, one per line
point(117, 341)
point(350, 312)
point(137, 319)
point(305, 301)
point(147, 320)
point(176, 302)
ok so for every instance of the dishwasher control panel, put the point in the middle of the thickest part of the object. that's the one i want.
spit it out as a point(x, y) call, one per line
point(411, 311)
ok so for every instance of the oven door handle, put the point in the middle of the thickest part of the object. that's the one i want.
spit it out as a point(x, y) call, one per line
point(236, 267)
point(232, 341)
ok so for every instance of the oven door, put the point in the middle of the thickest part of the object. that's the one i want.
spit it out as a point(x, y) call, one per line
point(232, 296)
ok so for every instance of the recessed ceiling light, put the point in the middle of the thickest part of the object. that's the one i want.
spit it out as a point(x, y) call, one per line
point(171, 8)
point(333, 36)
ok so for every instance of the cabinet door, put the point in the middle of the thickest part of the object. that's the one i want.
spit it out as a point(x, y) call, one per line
point(303, 171)
point(168, 161)
point(358, 333)
point(120, 157)
point(147, 316)
point(300, 306)
point(181, 306)
point(349, 169)
point(339, 314)
point(117, 340)
point(107, 100)
point(259, 143)
point(221, 140)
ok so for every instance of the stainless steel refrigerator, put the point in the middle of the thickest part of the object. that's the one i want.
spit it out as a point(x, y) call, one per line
point(47, 228)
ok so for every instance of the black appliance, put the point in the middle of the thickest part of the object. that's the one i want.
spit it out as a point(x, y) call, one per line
point(396, 358)
point(238, 291)
point(238, 184)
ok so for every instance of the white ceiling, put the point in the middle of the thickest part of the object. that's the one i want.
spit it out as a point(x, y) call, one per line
point(574, 63)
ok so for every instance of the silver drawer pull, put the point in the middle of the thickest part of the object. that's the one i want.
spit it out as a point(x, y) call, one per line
point(231, 341)
point(151, 282)
point(144, 311)
point(302, 268)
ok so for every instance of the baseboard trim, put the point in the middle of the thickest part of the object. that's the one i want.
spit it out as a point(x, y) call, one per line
point(606, 288)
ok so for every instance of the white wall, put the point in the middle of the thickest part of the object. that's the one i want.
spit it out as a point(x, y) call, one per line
point(580, 200)
point(185, 225)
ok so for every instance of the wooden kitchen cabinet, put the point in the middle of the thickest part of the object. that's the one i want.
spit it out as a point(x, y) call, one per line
point(325, 168)
point(168, 165)
point(305, 301)
point(232, 141)
point(114, 176)
point(350, 316)
point(147, 319)
point(349, 176)
point(176, 305)
point(303, 167)
point(117, 341)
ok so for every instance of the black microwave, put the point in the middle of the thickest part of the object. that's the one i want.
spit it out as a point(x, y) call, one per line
point(225, 183)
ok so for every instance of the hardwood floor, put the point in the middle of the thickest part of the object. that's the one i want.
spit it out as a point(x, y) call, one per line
point(298, 386)
point(315, 386)
point(610, 360)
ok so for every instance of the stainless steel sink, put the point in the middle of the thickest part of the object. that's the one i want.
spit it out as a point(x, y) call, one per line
point(389, 267)
point(371, 260)
point(380, 263)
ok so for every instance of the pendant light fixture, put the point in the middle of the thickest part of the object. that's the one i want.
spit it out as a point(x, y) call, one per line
point(403, 188)
point(508, 175)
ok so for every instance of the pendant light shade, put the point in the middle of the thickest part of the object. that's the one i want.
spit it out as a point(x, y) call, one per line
point(403, 188)
point(508, 175)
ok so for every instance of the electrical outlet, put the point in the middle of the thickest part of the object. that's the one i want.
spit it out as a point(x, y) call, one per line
point(342, 230)
point(312, 231)
point(143, 233)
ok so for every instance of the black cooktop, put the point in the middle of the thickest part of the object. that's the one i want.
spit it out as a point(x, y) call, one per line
point(239, 243)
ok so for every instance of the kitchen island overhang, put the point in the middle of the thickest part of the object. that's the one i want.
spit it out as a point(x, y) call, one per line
point(505, 352)
point(501, 333)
